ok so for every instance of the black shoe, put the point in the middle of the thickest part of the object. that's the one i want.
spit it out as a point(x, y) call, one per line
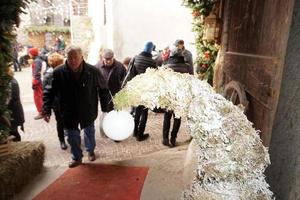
point(166, 142)
point(39, 116)
point(142, 137)
point(75, 163)
point(172, 142)
point(91, 156)
point(63, 145)
point(135, 134)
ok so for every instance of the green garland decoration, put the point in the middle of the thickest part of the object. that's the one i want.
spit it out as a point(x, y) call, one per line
point(9, 20)
point(207, 51)
point(48, 29)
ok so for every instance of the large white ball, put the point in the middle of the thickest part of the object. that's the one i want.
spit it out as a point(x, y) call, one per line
point(118, 125)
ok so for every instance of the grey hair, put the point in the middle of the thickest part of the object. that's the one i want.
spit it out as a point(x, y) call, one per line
point(74, 48)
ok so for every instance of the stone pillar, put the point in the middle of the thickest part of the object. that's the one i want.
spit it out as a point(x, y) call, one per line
point(283, 174)
point(82, 33)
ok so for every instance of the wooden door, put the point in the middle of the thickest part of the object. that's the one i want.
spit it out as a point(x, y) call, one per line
point(254, 41)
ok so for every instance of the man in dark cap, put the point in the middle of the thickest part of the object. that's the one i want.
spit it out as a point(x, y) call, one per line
point(177, 63)
point(188, 57)
point(138, 65)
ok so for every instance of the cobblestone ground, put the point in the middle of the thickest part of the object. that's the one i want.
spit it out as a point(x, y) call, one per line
point(106, 149)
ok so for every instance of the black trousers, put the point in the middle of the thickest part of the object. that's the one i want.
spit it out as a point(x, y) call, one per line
point(14, 131)
point(140, 120)
point(59, 126)
point(16, 64)
point(166, 125)
point(132, 111)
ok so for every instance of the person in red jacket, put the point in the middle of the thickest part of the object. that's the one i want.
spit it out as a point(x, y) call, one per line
point(36, 81)
point(165, 55)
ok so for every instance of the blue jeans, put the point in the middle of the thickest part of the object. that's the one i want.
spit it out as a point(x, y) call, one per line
point(74, 140)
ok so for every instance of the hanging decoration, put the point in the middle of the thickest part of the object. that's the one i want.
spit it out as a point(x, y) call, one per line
point(43, 12)
point(118, 125)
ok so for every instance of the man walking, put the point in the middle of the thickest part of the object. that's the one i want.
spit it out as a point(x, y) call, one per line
point(177, 63)
point(113, 72)
point(37, 80)
point(15, 54)
point(188, 57)
point(78, 86)
point(139, 64)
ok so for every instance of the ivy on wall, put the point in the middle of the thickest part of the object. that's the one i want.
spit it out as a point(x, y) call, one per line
point(9, 20)
point(47, 29)
point(206, 50)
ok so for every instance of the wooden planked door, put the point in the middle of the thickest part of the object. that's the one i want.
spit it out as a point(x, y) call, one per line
point(253, 46)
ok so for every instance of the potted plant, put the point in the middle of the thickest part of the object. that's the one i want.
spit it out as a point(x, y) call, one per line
point(5, 139)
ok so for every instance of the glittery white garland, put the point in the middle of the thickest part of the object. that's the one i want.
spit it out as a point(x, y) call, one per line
point(231, 157)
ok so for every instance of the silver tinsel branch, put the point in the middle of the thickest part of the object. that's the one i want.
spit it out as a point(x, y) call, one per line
point(231, 156)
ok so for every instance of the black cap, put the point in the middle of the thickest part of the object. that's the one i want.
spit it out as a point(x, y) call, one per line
point(178, 42)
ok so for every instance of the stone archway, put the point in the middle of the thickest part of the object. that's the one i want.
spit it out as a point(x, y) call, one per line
point(231, 156)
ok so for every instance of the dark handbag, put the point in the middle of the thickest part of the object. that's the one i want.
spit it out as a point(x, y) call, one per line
point(158, 110)
point(129, 72)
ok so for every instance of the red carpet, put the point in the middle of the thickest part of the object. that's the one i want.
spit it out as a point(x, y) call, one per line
point(97, 181)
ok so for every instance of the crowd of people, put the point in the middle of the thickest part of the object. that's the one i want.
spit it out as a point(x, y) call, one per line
point(21, 57)
point(72, 88)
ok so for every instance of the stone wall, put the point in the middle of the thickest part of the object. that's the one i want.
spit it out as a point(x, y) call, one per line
point(125, 26)
point(283, 173)
point(131, 23)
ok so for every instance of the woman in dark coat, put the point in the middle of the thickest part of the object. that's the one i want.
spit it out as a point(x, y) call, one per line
point(55, 60)
point(16, 108)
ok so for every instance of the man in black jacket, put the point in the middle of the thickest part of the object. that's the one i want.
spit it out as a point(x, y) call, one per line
point(139, 64)
point(177, 63)
point(77, 86)
point(188, 57)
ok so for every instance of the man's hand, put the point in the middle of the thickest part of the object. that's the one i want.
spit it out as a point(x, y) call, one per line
point(34, 86)
point(46, 117)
